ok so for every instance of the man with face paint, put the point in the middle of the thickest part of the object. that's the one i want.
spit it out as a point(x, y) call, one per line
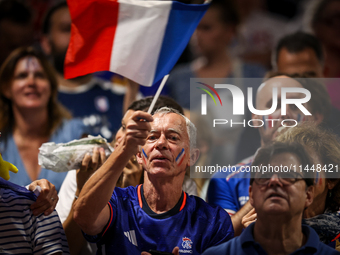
point(230, 190)
point(132, 175)
point(156, 215)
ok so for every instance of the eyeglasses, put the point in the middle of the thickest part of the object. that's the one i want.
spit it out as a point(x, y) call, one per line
point(286, 178)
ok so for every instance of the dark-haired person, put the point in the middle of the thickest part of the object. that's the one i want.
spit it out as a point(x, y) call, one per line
point(16, 27)
point(279, 199)
point(214, 34)
point(104, 104)
point(31, 115)
point(132, 175)
point(300, 53)
point(297, 54)
point(324, 22)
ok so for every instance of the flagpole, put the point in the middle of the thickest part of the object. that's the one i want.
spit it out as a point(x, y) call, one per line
point(154, 100)
point(165, 78)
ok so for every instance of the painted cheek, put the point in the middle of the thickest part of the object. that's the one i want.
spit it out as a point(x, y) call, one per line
point(144, 156)
point(300, 118)
point(267, 121)
point(318, 179)
point(180, 157)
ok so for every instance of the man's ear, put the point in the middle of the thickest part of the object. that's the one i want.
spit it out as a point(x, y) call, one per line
point(318, 118)
point(309, 195)
point(251, 200)
point(139, 156)
point(46, 45)
point(331, 183)
point(194, 155)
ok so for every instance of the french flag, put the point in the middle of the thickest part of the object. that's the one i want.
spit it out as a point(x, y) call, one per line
point(141, 40)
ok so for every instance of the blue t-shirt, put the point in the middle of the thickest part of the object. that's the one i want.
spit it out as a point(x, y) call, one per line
point(98, 104)
point(192, 225)
point(230, 190)
point(68, 131)
point(245, 245)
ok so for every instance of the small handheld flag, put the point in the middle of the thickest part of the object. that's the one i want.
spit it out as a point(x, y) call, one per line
point(141, 40)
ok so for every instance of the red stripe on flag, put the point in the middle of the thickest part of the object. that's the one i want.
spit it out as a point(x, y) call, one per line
point(92, 33)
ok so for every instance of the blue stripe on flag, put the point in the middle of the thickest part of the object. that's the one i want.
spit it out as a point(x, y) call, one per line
point(183, 20)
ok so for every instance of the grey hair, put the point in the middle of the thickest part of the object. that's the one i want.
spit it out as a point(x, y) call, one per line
point(191, 129)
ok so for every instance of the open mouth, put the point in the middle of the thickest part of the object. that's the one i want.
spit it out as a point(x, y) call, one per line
point(160, 158)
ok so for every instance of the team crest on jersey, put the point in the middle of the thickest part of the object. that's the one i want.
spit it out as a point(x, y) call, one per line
point(187, 243)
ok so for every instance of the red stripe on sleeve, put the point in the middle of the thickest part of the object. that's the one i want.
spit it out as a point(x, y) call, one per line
point(110, 221)
point(184, 201)
point(139, 196)
point(338, 236)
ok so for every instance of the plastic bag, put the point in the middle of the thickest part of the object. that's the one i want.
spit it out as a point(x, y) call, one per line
point(63, 157)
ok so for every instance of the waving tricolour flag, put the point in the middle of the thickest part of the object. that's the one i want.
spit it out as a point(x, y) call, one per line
point(141, 40)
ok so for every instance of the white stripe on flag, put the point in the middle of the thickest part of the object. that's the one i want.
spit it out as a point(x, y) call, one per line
point(134, 52)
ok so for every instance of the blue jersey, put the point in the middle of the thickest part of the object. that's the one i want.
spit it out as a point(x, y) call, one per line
point(98, 104)
point(245, 244)
point(230, 190)
point(192, 225)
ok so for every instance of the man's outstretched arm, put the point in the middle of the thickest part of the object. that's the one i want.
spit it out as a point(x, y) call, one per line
point(91, 211)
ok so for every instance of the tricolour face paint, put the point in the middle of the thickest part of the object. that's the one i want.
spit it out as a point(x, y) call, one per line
point(32, 64)
point(180, 157)
point(317, 178)
point(300, 118)
point(267, 124)
point(144, 156)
